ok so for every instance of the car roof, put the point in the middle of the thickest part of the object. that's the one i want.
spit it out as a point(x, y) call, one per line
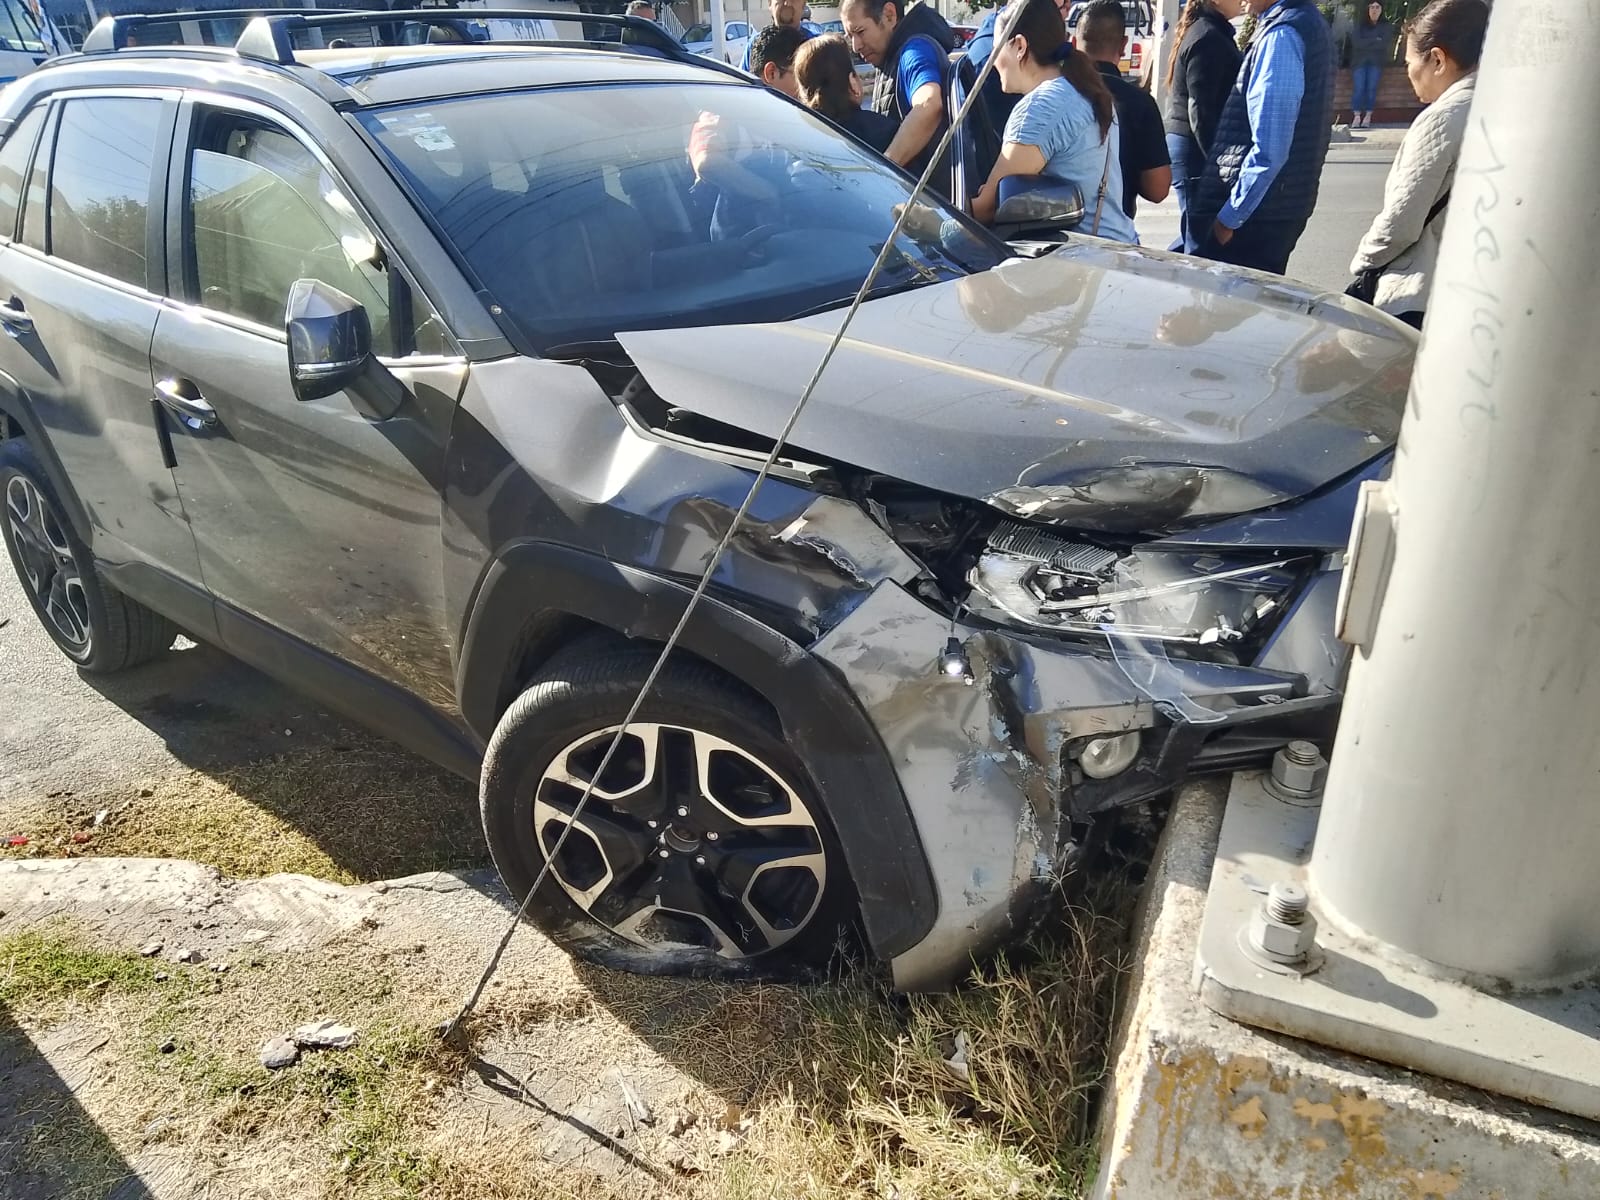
point(365, 76)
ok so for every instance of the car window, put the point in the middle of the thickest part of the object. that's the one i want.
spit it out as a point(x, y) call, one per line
point(696, 33)
point(14, 156)
point(19, 30)
point(37, 196)
point(584, 212)
point(100, 184)
point(264, 212)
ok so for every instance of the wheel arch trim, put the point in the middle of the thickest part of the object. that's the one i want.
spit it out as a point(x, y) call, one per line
point(15, 405)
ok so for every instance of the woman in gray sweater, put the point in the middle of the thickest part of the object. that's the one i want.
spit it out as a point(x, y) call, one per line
point(1400, 249)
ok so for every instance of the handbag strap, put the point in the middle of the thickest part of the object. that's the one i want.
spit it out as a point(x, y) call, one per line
point(1105, 174)
point(1438, 207)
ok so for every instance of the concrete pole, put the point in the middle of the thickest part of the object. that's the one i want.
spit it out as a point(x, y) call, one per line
point(719, 32)
point(1461, 823)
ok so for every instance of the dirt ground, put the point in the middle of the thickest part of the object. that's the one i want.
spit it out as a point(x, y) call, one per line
point(315, 871)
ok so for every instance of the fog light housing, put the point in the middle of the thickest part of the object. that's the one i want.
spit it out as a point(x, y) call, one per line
point(1103, 757)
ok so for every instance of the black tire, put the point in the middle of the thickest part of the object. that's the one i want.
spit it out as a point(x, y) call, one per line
point(563, 715)
point(94, 625)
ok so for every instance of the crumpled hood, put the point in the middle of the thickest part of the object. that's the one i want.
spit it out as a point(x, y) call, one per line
point(1100, 386)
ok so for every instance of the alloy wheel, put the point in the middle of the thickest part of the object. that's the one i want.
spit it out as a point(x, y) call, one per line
point(49, 568)
point(688, 841)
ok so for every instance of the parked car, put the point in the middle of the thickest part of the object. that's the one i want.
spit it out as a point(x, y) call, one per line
point(736, 38)
point(429, 389)
point(963, 34)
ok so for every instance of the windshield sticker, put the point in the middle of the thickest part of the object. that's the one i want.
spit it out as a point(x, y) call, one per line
point(421, 129)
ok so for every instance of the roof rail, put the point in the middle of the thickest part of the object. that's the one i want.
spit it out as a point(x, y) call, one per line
point(111, 33)
point(270, 37)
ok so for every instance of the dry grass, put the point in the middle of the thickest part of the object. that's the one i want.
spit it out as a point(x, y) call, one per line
point(313, 813)
point(839, 1091)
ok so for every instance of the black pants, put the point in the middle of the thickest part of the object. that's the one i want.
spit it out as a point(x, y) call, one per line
point(1262, 244)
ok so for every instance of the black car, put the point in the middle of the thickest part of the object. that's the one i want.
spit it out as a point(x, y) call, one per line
point(426, 377)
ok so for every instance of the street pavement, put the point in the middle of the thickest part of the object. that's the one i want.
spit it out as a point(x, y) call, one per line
point(1351, 194)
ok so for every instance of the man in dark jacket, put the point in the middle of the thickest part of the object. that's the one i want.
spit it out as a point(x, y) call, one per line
point(1199, 81)
point(1261, 177)
point(1142, 145)
point(911, 53)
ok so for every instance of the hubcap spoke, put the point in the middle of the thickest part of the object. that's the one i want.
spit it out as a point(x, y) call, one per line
point(48, 565)
point(701, 845)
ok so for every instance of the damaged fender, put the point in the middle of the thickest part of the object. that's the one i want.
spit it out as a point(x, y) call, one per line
point(981, 765)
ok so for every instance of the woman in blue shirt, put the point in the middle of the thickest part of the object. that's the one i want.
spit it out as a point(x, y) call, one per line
point(1065, 125)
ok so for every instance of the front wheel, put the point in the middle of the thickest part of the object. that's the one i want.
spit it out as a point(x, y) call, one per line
point(702, 849)
point(94, 625)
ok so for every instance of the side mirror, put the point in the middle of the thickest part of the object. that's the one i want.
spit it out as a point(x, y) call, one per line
point(330, 339)
point(1038, 202)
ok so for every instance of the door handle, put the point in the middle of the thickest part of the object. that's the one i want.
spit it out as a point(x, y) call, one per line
point(14, 318)
point(192, 410)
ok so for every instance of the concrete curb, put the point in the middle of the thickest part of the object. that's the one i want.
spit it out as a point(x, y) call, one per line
point(1200, 1107)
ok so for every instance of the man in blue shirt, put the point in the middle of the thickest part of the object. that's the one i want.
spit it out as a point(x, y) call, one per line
point(911, 53)
point(1261, 177)
point(784, 12)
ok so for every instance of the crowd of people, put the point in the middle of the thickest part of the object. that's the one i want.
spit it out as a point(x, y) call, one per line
point(1241, 139)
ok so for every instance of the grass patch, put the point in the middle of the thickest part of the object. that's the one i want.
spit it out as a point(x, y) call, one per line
point(346, 815)
point(857, 1092)
point(830, 1092)
point(40, 968)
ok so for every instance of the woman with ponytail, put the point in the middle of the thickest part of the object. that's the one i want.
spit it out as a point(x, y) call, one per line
point(1065, 125)
point(1200, 74)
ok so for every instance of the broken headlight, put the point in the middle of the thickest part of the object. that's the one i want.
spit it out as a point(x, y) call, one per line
point(1193, 598)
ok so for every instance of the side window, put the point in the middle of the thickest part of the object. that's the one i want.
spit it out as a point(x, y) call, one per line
point(100, 184)
point(14, 156)
point(264, 212)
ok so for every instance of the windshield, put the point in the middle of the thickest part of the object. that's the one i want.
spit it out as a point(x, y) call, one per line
point(585, 212)
point(696, 33)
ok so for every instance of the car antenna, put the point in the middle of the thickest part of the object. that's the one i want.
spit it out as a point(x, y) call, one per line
point(452, 1027)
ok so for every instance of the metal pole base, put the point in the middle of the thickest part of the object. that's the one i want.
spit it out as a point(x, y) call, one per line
point(1542, 1048)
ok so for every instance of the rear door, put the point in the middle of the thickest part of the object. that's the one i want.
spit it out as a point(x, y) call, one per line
point(80, 288)
point(318, 519)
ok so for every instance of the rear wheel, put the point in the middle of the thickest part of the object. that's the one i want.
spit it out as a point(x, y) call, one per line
point(96, 626)
point(702, 849)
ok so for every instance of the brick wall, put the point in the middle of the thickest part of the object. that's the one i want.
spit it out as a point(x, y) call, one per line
point(1396, 101)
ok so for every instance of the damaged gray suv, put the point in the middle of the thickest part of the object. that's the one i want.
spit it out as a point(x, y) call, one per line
point(426, 377)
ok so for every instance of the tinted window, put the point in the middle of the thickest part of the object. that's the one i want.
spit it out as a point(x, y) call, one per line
point(265, 212)
point(589, 211)
point(100, 184)
point(14, 155)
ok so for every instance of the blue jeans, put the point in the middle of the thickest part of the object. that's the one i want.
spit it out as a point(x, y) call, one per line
point(1364, 87)
point(1188, 164)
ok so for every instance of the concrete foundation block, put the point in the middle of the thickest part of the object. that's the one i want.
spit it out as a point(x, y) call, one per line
point(1201, 1108)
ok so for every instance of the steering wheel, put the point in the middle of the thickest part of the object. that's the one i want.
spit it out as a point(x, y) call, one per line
point(749, 246)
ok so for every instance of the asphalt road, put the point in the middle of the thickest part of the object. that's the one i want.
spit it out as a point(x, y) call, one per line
point(1351, 194)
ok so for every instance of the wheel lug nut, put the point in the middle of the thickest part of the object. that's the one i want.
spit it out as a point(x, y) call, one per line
point(652, 824)
point(712, 836)
point(700, 860)
point(664, 853)
point(683, 811)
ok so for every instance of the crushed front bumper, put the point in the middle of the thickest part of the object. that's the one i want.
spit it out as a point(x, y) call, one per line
point(985, 763)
